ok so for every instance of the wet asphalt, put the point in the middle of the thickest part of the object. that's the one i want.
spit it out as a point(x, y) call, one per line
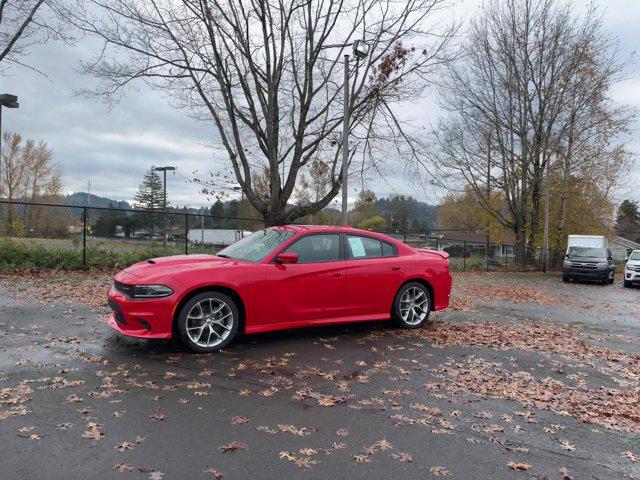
point(67, 371)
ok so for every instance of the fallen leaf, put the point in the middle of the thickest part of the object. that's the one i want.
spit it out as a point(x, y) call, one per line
point(518, 466)
point(440, 471)
point(232, 447)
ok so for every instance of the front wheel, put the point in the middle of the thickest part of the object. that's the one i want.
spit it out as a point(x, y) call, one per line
point(208, 322)
point(412, 305)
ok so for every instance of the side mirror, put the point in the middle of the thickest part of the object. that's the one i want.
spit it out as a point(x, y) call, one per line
point(287, 258)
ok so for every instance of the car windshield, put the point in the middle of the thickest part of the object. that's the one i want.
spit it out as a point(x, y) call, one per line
point(587, 252)
point(635, 255)
point(256, 246)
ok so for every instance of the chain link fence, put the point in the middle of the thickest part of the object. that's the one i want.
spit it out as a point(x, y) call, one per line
point(41, 235)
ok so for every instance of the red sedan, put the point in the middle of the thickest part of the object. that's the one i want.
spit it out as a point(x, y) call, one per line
point(280, 277)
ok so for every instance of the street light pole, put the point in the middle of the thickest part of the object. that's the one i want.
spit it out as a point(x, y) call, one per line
point(360, 50)
point(9, 101)
point(164, 202)
point(345, 140)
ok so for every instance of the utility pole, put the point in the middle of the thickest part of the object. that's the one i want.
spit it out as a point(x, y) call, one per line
point(545, 247)
point(486, 248)
point(164, 201)
point(345, 140)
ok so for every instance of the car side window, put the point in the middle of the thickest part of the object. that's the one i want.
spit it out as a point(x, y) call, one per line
point(365, 247)
point(317, 248)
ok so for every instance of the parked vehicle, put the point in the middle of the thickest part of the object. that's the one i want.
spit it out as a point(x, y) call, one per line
point(595, 241)
point(277, 278)
point(215, 236)
point(589, 263)
point(632, 269)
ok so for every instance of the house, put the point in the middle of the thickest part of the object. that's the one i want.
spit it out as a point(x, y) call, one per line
point(621, 248)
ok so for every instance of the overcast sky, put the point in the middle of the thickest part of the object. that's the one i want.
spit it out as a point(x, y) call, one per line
point(113, 146)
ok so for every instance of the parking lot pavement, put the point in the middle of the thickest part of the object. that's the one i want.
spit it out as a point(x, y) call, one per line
point(525, 377)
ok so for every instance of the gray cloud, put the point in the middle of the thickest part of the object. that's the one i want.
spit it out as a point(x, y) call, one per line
point(112, 147)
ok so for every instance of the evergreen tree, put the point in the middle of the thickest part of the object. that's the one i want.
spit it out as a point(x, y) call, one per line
point(150, 193)
point(217, 209)
point(628, 219)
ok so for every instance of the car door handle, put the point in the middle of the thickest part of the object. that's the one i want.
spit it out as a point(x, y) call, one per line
point(395, 268)
point(336, 274)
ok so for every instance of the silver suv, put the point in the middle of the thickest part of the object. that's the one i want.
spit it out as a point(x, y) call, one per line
point(632, 269)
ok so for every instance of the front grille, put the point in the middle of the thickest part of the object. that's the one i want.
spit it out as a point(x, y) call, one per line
point(128, 290)
point(586, 266)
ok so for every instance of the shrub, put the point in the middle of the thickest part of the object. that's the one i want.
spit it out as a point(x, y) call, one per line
point(19, 254)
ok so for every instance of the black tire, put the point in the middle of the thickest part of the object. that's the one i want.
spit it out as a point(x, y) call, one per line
point(233, 324)
point(612, 279)
point(627, 284)
point(565, 279)
point(395, 311)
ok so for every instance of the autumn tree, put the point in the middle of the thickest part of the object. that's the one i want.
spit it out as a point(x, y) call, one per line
point(28, 172)
point(364, 208)
point(532, 83)
point(269, 75)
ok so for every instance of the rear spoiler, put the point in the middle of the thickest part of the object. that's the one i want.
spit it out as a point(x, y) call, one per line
point(437, 253)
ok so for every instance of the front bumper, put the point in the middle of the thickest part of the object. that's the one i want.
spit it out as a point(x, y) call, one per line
point(631, 276)
point(585, 274)
point(151, 318)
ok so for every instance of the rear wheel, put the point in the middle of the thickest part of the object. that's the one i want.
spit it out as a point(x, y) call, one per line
point(208, 322)
point(412, 305)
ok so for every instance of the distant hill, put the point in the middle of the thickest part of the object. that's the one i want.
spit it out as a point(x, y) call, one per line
point(81, 199)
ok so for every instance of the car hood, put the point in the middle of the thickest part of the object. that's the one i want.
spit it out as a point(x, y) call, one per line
point(633, 263)
point(171, 265)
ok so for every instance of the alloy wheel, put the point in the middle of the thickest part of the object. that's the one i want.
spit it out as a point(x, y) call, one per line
point(209, 322)
point(414, 306)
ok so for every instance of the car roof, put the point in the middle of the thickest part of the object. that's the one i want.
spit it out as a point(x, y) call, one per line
point(325, 228)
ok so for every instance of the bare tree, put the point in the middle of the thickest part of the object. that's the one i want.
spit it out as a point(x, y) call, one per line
point(269, 75)
point(24, 23)
point(513, 105)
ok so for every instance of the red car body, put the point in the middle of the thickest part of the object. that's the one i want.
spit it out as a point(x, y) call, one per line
point(274, 295)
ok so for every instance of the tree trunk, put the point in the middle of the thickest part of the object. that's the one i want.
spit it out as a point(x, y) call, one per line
point(521, 243)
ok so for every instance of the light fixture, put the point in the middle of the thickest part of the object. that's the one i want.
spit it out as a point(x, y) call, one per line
point(361, 48)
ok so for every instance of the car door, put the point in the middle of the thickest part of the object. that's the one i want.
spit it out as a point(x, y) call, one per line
point(374, 274)
point(314, 287)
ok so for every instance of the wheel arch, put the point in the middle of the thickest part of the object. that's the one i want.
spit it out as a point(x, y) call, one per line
point(235, 296)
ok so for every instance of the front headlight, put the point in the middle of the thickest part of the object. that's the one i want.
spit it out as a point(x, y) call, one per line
point(151, 291)
point(602, 265)
point(567, 263)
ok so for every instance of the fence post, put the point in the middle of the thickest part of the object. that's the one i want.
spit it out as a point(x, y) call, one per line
point(405, 237)
point(506, 257)
point(84, 237)
point(437, 244)
point(464, 255)
point(487, 251)
point(186, 234)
